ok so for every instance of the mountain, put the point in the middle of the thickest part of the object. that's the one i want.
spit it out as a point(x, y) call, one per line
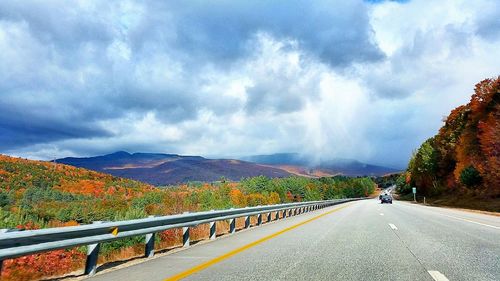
point(165, 169)
point(299, 165)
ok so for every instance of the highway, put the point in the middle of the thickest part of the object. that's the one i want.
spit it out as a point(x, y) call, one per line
point(361, 240)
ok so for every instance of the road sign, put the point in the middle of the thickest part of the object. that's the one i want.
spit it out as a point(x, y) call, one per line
point(414, 190)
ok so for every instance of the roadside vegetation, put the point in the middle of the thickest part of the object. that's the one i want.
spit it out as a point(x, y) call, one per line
point(460, 166)
point(36, 194)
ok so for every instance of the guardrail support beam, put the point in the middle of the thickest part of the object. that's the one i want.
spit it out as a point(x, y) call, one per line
point(232, 226)
point(259, 219)
point(185, 236)
point(269, 218)
point(247, 221)
point(213, 230)
point(277, 215)
point(92, 256)
point(149, 249)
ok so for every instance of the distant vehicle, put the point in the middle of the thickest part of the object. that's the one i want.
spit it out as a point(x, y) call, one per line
point(385, 199)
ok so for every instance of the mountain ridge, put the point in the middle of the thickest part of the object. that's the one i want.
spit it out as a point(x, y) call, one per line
point(294, 162)
point(169, 168)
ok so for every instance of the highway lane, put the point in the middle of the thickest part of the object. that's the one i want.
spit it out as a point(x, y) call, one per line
point(361, 240)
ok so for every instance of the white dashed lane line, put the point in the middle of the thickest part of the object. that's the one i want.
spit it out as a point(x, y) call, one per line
point(393, 226)
point(438, 276)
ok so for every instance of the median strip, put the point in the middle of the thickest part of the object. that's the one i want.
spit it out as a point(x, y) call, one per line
point(243, 248)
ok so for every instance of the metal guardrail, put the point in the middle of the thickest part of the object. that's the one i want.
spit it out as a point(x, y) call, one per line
point(20, 243)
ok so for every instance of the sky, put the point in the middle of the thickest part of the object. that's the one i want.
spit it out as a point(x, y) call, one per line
point(365, 80)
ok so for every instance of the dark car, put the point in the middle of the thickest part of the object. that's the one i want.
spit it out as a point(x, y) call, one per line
point(385, 199)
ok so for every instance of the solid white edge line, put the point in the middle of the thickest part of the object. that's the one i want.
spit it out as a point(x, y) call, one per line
point(458, 218)
point(483, 224)
point(381, 214)
point(393, 226)
point(438, 276)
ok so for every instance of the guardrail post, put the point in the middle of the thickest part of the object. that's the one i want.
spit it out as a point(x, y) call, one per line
point(269, 218)
point(232, 226)
point(247, 221)
point(150, 245)
point(277, 215)
point(213, 230)
point(92, 256)
point(185, 235)
point(149, 249)
point(259, 219)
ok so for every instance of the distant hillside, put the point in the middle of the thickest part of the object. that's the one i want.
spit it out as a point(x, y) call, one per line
point(165, 169)
point(296, 164)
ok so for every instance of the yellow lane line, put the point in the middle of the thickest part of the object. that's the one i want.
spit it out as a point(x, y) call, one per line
point(243, 248)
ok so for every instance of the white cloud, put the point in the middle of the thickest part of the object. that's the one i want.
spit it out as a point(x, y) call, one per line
point(130, 76)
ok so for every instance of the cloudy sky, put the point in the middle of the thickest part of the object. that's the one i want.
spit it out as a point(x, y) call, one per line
point(327, 79)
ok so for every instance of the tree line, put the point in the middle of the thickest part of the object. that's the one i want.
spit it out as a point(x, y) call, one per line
point(464, 157)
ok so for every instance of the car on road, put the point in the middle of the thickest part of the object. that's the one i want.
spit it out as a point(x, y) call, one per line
point(385, 199)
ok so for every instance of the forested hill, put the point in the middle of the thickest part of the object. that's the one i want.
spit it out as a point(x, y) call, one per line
point(463, 159)
point(41, 194)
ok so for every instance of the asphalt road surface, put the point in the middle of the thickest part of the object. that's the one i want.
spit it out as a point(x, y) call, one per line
point(361, 240)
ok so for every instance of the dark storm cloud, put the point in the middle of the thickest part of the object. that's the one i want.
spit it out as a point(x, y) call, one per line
point(18, 129)
point(60, 76)
point(338, 32)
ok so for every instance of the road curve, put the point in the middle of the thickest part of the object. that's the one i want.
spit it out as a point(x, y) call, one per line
point(361, 240)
